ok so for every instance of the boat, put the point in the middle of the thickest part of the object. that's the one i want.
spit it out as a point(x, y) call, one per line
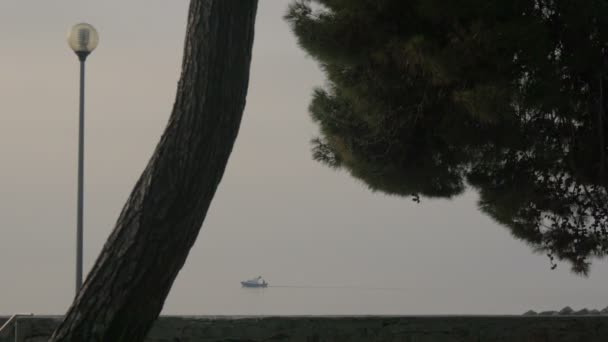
point(255, 282)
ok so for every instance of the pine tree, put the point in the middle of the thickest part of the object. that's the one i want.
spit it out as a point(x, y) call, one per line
point(126, 289)
point(427, 96)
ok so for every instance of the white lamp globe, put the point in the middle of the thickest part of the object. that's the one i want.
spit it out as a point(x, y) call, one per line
point(83, 38)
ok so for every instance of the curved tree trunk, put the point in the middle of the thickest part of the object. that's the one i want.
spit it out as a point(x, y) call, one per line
point(125, 291)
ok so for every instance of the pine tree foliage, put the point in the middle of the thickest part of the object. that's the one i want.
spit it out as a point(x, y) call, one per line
point(425, 97)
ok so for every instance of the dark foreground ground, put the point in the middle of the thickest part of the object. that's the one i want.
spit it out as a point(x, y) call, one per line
point(353, 329)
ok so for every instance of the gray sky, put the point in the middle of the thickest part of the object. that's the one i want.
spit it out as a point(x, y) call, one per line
point(277, 212)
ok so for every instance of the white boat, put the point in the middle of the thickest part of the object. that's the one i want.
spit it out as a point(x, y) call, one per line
point(255, 282)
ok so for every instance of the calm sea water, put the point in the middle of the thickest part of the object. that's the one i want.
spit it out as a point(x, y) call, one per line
point(459, 262)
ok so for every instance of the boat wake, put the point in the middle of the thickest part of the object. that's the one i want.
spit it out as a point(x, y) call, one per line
point(342, 287)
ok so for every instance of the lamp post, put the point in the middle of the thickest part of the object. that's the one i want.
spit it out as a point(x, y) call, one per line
point(83, 39)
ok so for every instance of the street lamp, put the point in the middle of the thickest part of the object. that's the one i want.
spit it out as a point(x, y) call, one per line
point(83, 39)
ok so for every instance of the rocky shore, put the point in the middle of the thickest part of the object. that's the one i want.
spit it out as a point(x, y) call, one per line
point(568, 311)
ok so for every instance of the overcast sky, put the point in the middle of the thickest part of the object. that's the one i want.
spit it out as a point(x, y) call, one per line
point(277, 213)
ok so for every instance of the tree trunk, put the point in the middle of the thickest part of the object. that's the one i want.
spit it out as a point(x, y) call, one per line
point(126, 289)
point(602, 141)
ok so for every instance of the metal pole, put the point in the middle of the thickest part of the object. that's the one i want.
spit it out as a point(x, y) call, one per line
point(79, 228)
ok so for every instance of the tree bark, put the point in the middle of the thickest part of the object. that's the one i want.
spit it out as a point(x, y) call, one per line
point(602, 143)
point(126, 289)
